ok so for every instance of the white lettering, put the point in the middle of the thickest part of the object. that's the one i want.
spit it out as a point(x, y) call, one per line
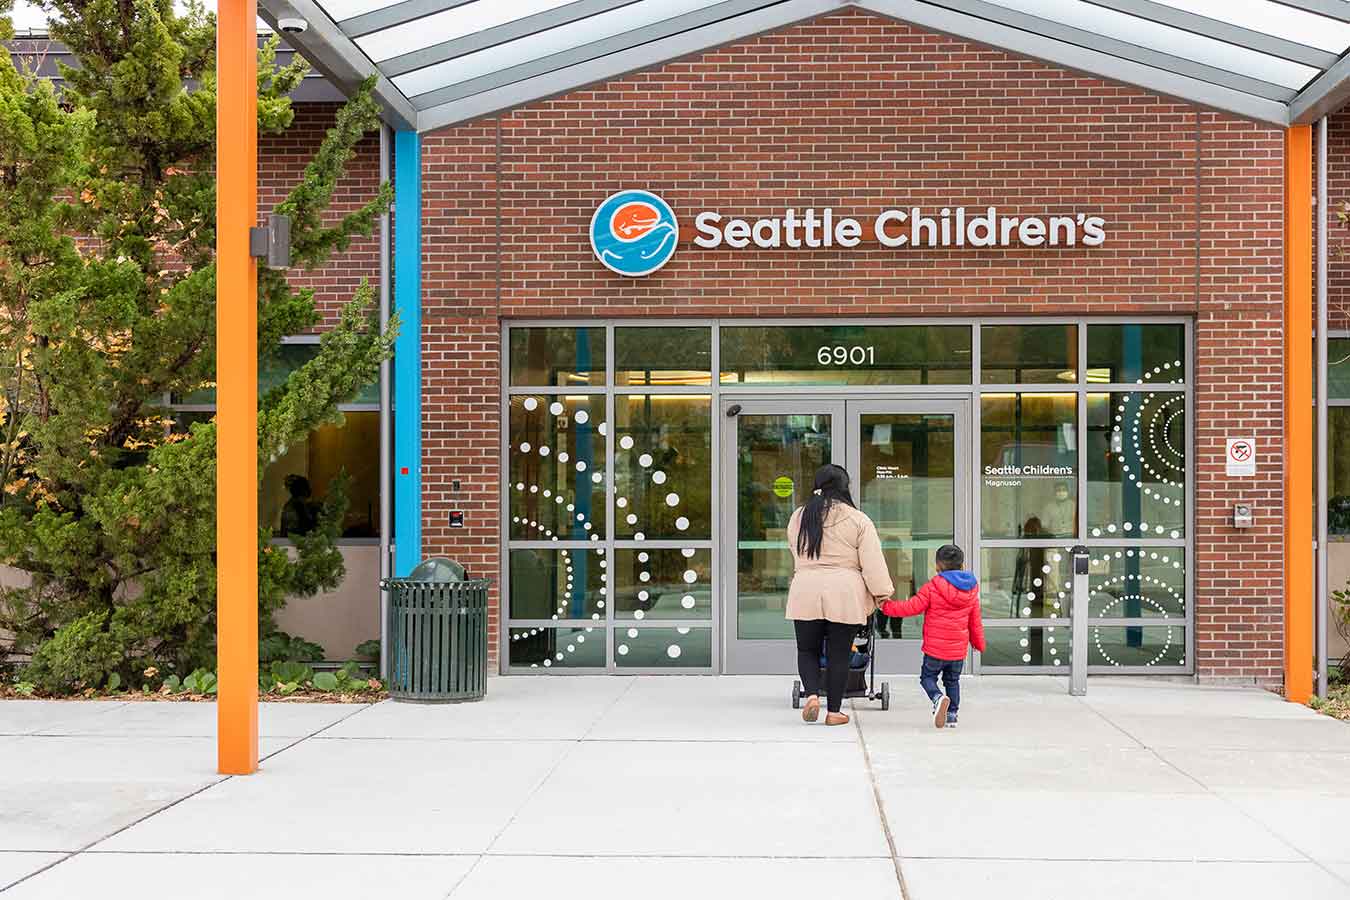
point(1094, 231)
point(982, 230)
point(737, 233)
point(767, 233)
point(879, 228)
point(848, 233)
point(1031, 232)
point(706, 223)
point(1063, 225)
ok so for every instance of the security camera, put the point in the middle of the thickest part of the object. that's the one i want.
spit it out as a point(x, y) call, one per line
point(293, 25)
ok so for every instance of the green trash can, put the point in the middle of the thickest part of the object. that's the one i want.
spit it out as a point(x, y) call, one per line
point(438, 634)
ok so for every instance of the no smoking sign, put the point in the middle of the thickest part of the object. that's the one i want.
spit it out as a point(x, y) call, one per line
point(1241, 459)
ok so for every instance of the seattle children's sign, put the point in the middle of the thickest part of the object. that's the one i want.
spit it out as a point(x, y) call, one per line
point(635, 232)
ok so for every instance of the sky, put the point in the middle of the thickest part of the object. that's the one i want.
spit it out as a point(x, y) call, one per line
point(28, 16)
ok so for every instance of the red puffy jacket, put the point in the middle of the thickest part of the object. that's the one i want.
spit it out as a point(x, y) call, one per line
point(951, 602)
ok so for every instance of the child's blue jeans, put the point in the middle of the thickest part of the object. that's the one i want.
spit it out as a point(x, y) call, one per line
point(950, 670)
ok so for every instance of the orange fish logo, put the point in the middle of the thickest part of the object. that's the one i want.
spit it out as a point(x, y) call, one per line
point(634, 233)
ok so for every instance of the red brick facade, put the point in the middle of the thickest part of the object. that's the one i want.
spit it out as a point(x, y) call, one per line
point(859, 113)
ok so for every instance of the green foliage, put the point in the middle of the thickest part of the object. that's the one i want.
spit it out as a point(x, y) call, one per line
point(201, 681)
point(325, 681)
point(281, 646)
point(108, 509)
point(114, 682)
point(369, 650)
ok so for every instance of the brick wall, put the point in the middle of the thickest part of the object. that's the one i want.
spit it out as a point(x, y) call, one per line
point(281, 164)
point(860, 113)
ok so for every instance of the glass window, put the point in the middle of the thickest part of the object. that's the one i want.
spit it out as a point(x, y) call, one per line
point(1028, 354)
point(1338, 470)
point(1137, 464)
point(663, 467)
point(847, 354)
point(684, 647)
point(557, 454)
point(1028, 459)
point(557, 357)
point(581, 647)
point(558, 584)
point(1338, 369)
point(662, 356)
point(1027, 645)
point(1026, 583)
point(1124, 354)
point(293, 487)
point(274, 371)
point(1137, 645)
point(662, 584)
point(1137, 582)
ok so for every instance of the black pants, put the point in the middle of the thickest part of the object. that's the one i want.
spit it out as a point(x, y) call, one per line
point(950, 670)
point(810, 636)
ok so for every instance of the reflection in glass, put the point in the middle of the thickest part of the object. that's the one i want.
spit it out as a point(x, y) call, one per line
point(663, 466)
point(1028, 645)
point(662, 584)
point(1137, 464)
point(777, 458)
point(580, 647)
point(662, 355)
point(1338, 470)
point(1125, 645)
point(685, 647)
point(273, 372)
point(1338, 368)
point(1028, 354)
point(907, 488)
point(1137, 582)
point(1028, 459)
point(558, 584)
point(557, 357)
point(846, 354)
point(1123, 354)
point(557, 455)
point(309, 467)
point(1026, 583)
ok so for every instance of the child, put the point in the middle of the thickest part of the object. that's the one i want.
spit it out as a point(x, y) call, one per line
point(952, 603)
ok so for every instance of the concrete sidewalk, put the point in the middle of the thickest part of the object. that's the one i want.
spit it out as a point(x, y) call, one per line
point(679, 787)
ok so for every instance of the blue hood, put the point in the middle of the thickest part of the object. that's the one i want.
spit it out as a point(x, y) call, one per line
point(959, 579)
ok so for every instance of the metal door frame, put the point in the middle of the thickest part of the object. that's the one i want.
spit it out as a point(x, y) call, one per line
point(777, 657)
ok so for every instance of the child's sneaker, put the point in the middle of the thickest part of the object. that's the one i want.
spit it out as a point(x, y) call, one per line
point(951, 720)
point(940, 711)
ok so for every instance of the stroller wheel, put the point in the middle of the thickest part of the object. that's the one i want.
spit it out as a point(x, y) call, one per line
point(796, 695)
point(885, 695)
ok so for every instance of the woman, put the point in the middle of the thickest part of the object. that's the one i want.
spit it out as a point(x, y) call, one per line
point(839, 575)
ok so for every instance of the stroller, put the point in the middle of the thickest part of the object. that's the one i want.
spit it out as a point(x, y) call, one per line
point(862, 670)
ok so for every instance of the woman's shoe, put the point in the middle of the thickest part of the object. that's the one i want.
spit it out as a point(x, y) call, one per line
point(836, 718)
point(811, 711)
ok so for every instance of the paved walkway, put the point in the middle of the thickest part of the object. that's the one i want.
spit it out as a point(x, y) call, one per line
point(689, 787)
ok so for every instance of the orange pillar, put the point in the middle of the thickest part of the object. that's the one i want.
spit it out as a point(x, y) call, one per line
point(236, 386)
point(1299, 564)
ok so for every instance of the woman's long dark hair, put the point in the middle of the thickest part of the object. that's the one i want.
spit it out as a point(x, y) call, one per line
point(831, 486)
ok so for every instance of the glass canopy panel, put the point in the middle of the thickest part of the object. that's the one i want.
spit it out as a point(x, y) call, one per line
point(338, 10)
point(1275, 19)
point(449, 25)
point(1165, 39)
point(545, 43)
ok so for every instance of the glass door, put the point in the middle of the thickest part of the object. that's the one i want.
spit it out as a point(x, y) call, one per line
point(907, 462)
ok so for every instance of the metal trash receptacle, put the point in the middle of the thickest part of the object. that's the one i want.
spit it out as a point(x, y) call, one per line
point(438, 634)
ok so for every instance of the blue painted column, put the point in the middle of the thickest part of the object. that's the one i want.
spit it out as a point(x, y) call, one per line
point(408, 352)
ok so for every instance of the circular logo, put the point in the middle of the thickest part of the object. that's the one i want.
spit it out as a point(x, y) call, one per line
point(634, 233)
point(782, 486)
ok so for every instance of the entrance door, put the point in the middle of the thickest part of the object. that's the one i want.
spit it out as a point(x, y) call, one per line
point(907, 463)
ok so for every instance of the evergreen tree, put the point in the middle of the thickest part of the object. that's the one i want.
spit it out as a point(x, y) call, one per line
point(107, 308)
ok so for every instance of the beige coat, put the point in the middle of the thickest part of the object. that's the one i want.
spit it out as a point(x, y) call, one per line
point(848, 578)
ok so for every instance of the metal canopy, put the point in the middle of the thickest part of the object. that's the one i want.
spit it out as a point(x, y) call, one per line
point(441, 62)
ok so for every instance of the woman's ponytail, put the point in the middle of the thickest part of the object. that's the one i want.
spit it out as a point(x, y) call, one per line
point(831, 485)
